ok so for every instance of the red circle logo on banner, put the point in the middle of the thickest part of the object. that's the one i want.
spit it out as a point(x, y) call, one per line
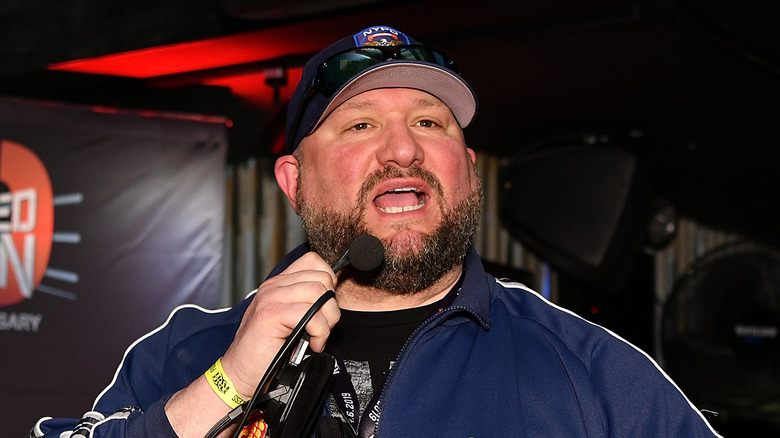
point(26, 222)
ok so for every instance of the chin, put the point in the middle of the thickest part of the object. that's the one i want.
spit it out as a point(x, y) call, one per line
point(406, 240)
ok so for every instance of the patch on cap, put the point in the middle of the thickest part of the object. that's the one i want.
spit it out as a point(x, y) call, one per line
point(380, 36)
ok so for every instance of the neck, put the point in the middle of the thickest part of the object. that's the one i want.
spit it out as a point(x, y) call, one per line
point(352, 296)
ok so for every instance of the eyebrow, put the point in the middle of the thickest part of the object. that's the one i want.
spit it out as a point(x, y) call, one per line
point(430, 102)
point(357, 104)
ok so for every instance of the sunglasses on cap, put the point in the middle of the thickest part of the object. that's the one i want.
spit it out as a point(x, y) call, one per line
point(337, 70)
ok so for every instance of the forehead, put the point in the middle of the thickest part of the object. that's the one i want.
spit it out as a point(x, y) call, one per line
point(391, 96)
point(386, 100)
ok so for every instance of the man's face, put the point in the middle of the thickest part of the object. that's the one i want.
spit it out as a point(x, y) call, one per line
point(392, 163)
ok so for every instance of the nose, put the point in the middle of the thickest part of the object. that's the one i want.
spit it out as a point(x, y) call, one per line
point(400, 146)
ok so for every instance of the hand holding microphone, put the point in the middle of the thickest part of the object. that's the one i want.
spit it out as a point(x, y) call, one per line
point(282, 300)
point(299, 405)
point(365, 253)
point(262, 341)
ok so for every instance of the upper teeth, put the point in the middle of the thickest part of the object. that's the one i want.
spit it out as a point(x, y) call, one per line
point(419, 205)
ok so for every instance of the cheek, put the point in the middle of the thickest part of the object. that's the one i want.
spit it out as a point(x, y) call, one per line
point(459, 176)
point(332, 182)
point(468, 183)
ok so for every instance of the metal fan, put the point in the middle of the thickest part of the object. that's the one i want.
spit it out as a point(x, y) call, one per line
point(721, 333)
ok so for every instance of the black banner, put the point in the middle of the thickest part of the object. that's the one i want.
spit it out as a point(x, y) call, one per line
point(108, 220)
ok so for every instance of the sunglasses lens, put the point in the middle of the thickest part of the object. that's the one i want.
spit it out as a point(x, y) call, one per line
point(334, 72)
point(420, 53)
point(338, 69)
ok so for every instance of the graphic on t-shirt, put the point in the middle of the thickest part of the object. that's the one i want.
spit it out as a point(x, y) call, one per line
point(360, 376)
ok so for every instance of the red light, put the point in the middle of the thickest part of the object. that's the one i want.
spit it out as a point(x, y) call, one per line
point(198, 56)
point(237, 62)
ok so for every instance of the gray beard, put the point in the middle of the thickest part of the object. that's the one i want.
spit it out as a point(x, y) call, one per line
point(409, 266)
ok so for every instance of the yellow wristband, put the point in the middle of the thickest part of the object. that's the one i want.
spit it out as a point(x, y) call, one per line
point(223, 386)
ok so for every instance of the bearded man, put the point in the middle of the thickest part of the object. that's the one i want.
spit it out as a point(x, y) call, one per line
point(428, 344)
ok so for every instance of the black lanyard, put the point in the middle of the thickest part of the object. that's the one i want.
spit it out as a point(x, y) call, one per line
point(345, 395)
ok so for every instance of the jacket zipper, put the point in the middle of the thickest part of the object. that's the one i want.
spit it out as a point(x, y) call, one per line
point(441, 315)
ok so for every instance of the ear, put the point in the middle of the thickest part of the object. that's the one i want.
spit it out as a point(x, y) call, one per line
point(472, 155)
point(286, 170)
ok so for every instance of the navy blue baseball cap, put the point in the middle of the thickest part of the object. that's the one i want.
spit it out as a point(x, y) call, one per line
point(376, 57)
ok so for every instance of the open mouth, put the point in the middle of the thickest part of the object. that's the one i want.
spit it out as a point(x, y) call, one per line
point(400, 200)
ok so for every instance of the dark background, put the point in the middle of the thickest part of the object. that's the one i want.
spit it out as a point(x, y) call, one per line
point(698, 79)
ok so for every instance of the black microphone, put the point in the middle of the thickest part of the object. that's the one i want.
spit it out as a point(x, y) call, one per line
point(365, 253)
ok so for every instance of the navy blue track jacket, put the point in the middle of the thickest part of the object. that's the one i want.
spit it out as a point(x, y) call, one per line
point(501, 361)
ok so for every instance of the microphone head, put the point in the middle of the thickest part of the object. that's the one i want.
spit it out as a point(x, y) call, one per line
point(366, 253)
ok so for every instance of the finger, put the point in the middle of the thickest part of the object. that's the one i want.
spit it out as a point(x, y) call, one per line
point(331, 311)
point(294, 277)
point(303, 290)
point(311, 261)
point(277, 320)
point(319, 330)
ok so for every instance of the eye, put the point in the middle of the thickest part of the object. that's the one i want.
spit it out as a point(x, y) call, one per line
point(360, 126)
point(427, 123)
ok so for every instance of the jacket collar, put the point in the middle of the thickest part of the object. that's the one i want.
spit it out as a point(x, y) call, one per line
point(475, 292)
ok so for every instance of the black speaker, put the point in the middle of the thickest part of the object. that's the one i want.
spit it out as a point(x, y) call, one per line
point(584, 209)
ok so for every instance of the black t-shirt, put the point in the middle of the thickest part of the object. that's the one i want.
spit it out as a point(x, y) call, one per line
point(368, 343)
point(376, 338)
